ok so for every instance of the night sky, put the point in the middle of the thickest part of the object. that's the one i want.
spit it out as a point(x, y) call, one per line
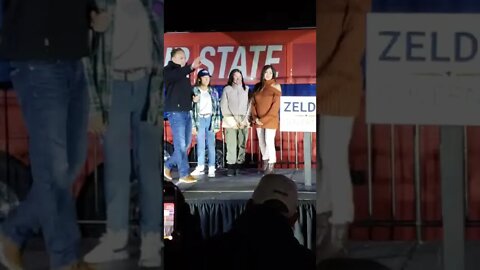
point(218, 15)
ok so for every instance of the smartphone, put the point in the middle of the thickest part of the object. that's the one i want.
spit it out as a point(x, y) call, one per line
point(168, 220)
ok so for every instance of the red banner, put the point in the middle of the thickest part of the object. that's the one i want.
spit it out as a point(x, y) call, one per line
point(291, 52)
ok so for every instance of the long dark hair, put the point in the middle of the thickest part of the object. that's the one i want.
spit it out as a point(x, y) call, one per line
point(230, 78)
point(259, 86)
point(198, 82)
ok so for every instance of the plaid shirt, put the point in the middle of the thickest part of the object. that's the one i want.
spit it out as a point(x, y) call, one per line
point(99, 65)
point(216, 114)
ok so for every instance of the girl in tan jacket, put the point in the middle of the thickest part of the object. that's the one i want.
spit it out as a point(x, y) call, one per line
point(266, 115)
point(235, 112)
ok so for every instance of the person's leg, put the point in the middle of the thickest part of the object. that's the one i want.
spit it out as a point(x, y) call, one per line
point(241, 139)
point(118, 158)
point(171, 161)
point(335, 190)
point(210, 138)
point(46, 90)
point(270, 149)
point(77, 144)
point(184, 167)
point(179, 123)
point(334, 202)
point(117, 168)
point(270, 145)
point(201, 137)
point(263, 148)
point(188, 141)
point(22, 221)
point(262, 143)
point(147, 159)
point(231, 142)
point(77, 125)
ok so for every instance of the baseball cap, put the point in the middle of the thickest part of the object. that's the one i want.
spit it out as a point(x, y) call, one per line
point(203, 72)
point(277, 187)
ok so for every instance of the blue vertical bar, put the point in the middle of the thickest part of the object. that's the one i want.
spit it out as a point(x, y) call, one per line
point(4, 65)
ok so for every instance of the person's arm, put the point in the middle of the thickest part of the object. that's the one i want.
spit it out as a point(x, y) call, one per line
point(193, 115)
point(217, 112)
point(351, 48)
point(253, 105)
point(176, 74)
point(194, 112)
point(330, 18)
point(246, 119)
point(97, 114)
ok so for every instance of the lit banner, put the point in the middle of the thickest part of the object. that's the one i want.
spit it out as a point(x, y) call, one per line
point(298, 114)
point(291, 52)
point(423, 69)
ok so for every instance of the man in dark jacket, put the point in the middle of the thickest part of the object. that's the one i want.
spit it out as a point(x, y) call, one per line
point(262, 237)
point(178, 104)
point(45, 41)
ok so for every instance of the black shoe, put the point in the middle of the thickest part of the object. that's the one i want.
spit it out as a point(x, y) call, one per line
point(237, 168)
point(270, 168)
point(264, 166)
point(231, 170)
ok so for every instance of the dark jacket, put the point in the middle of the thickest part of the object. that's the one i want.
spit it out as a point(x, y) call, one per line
point(45, 29)
point(178, 89)
point(260, 238)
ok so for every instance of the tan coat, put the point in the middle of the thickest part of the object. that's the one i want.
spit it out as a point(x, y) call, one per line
point(341, 38)
point(266, 106)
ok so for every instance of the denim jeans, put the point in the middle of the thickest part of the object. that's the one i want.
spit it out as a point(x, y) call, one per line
point(204, 134)
point(127, 131)
point(181, 125)
point(54, 102)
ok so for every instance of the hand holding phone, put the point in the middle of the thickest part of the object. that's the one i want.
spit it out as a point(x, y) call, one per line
point(168, 220)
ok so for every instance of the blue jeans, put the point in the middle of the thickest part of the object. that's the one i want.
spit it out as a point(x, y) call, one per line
point(204, 134)
point(55, 104)
point(127, 130)
point(181, 124)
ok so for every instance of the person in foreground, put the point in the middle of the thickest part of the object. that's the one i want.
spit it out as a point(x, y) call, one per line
point(262, 237)
point(126, 100)
point(48, 76)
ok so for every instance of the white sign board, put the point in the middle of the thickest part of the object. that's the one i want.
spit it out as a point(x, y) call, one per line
point(423, 69)
point(298, 113)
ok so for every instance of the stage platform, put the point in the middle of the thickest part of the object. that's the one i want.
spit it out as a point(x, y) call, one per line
point(219, 201)
point(395, 255)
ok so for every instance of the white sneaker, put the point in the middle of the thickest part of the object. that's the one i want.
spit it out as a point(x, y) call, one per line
point(211, 171)
point(151, 250)
point(112, 247)
point(199, 170)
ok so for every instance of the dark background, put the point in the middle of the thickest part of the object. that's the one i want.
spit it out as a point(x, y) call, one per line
point(247, 15)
